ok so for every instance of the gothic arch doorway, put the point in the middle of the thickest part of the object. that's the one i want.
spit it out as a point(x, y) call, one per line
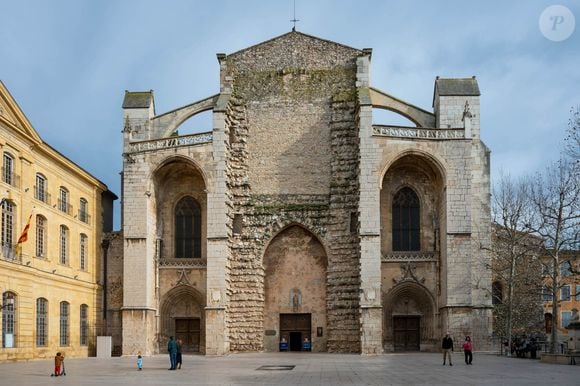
point(182, 317)
point(295, 292)
point(410, 319)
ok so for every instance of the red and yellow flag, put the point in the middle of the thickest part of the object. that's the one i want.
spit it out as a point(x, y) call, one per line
point(24, 236)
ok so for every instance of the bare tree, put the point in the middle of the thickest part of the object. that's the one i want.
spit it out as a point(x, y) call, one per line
point(555, 198)
point(572, 140)
point(515, 261)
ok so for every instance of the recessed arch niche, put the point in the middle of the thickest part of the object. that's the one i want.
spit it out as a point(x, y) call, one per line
point(295, 264)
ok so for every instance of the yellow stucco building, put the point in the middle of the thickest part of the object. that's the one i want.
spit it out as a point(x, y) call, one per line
point(50, 283)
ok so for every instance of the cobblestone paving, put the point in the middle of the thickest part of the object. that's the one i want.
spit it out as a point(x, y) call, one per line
point(310, 369)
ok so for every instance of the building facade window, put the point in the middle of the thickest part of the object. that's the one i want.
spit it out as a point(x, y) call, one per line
point(40, 189)
point(7, 225)
point(546, 269)
point(84, 332)
point(406, 223)
point(41, 322)
point(64, 323)
point(9, 320)
point(63, 245)
point(546, 293)
point(565, 293)
point(565, 269)
point(187, 229)
point(40, 236)
point(566, 316)
point(8, 169)
point(84, 210)
point(63, 200)
point(577, 297)
point(83, 252)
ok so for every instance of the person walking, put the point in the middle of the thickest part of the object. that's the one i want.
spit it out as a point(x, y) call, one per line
point(467, 350)
point(139, 362)
point(172, 349)
point(178, 358)
point(447, 346)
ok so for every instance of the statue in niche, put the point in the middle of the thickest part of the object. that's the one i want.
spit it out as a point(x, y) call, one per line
point(295, 299)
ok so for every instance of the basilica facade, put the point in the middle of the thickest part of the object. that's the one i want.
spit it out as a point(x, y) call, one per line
point(296, 219)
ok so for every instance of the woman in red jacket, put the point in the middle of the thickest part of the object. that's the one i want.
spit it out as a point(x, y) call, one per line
point(467, 348)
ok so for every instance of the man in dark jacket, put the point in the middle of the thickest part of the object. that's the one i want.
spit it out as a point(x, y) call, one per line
point(447, 346)
point(172, 349)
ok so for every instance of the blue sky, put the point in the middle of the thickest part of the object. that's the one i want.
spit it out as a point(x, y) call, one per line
point(68, 62)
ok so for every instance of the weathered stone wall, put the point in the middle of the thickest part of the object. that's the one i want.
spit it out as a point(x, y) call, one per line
point(113, 297)
point(293, 159)
point(343, 237)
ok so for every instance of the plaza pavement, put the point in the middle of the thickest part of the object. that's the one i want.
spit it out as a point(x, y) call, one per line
point(310, 369)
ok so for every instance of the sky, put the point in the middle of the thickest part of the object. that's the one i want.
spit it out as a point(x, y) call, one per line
point(68, 62)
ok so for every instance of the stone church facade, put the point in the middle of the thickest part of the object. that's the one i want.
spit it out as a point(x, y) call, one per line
point(296, 218)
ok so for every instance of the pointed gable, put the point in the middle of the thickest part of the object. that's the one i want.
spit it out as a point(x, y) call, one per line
point(293, 50)
point(12, 116)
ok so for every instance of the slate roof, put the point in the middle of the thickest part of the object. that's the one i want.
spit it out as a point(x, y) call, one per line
point(457, 87)
point(137, 99)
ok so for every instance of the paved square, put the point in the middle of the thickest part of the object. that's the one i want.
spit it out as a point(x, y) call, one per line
point(310, 369)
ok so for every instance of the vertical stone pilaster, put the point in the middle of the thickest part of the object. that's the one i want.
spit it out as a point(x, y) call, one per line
point(369, 218)
point(217, 240)
point(139, 300)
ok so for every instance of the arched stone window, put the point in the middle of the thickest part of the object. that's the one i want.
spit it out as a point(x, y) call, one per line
point(63, 200)
point(40, 189)
point(7, 227)
point(187, 229)
point(8, 169)
point(64, 323)
point(40, 236)
point(83, 252)
point(63, 245)
point(41, 322)
point(406, 222)
point(8, 320)
point(84, 327)
point(84, 210)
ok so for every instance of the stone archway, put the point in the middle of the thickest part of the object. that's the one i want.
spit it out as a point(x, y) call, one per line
point(295, 264)
point(177, 178)
point(410, 319)
point(182, 316)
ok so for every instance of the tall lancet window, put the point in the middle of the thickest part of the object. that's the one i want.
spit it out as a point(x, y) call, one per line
point(406, 223)
point(187, 229)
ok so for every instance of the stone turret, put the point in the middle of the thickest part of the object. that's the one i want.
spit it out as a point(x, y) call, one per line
point(456, 104)
point(138, 109)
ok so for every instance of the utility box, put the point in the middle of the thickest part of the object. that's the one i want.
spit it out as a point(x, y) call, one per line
point(104, 346)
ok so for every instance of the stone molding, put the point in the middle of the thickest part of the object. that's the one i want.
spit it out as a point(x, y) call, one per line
point(417, 132)
point(172, 142)
point(180, 263)
point(409, 256)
